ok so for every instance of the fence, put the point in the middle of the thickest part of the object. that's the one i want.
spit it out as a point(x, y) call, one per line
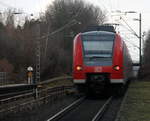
point(28, 101)
point(4, 78)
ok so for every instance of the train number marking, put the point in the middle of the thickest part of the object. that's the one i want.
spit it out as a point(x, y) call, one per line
point(98, 69)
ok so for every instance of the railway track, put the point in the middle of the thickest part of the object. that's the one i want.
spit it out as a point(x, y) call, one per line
point(83, 109)
point(15, 103)
point(15, 89)
point(102, 110)
point(8, 91)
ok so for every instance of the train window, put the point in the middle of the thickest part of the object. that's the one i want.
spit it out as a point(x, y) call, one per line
point(99, 46)
point(104, 46)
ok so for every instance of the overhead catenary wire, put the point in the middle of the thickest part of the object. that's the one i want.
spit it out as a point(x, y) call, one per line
point(127, 38)
point(58, 30)
point(131, 43)
point(132, 32)
point(72, 22)
point(129, 27)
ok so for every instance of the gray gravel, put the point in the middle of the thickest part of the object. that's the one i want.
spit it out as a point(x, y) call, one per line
point(112, 110)
point(41, 113)
point(85, 111)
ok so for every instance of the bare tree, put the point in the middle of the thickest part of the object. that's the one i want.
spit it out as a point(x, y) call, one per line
point(56, 29)
point(145, 68)
point(66, 18)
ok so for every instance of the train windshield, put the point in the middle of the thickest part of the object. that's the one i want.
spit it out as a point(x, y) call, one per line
point(98, 46)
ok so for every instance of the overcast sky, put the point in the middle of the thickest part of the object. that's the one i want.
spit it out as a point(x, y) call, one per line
point(140, 6)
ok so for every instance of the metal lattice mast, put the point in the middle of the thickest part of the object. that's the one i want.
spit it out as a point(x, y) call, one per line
point(38, 55)
point(38, 61)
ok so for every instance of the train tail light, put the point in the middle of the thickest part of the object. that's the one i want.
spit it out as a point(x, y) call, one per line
point(117, 68)
point(79, 68)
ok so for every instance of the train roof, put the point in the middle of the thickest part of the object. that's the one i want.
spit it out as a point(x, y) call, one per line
point(93, 33)
point(107, 28)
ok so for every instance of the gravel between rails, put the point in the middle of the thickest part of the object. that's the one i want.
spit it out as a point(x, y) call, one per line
point(113, 109)
point(89, 108)
point(85, 111)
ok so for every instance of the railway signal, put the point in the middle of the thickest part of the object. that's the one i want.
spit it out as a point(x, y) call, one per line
point(30, 74)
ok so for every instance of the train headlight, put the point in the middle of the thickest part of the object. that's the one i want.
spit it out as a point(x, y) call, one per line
point(117, 68)
point(78, 68)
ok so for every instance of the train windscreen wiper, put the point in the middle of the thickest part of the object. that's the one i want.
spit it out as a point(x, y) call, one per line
point(93, 57)
point(100, 57)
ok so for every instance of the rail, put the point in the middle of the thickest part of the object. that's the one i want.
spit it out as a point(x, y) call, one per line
point(14, 90)
point(100, 113)
point(67, 109)
point(17, 97)
point(33, 97)
point(13, 94)
point(55, 79)
point(45, 95)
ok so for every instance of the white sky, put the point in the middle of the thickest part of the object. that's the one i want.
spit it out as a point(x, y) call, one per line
point(140, 6)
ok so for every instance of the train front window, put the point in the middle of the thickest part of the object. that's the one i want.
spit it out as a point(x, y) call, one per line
point(97, 46)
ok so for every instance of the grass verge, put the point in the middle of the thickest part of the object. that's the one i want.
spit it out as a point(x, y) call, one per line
point(136, 106)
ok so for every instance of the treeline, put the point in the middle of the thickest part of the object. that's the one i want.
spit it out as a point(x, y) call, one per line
point(55, 30)
point(144, 72)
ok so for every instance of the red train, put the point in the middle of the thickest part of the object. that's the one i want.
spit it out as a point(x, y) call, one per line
point(101, 60)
